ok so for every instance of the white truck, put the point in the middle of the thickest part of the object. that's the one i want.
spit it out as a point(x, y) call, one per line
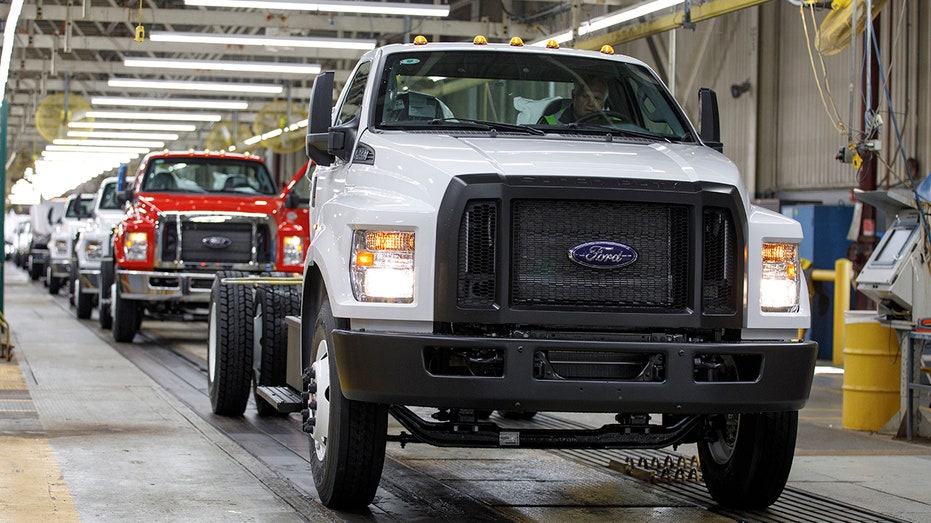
point(469, 254)
point(93, 245)
point(78, 209)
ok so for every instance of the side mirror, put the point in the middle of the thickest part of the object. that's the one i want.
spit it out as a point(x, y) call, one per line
point(710, 131)
point(294, 201)
point(125, 195)
point(320, 113)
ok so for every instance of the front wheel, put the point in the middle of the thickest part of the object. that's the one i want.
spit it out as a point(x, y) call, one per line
point(347, 447)
point(229, 345)
point(83, 301)
point(747, 462)
point(104, 316)
point(127, 317)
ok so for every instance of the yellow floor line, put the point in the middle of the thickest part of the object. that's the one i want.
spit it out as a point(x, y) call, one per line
point(32, 487)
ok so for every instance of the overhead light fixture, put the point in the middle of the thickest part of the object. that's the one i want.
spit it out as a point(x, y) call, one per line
point(217, 87)
point(625, 15)
point(269, 41)
point(223, 65)
point(182, 104)
point(183, 117)
point(112, 143)
point(132, 126)
point(96, 149)
point(384, 8)
point(169, 137)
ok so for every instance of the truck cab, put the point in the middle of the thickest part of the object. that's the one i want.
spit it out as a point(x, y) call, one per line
point(470, 254)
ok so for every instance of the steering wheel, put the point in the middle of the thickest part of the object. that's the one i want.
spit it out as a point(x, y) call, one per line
point(607, 116)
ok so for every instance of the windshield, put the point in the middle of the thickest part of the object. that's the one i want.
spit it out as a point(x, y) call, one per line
point(549, 92)
point(79, 207)
point(208, 175)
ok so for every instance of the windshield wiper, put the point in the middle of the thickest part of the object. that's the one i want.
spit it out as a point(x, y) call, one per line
point(620, 131)
point(466, 123)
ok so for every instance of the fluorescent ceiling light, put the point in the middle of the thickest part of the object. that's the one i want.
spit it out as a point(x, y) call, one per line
point(561, 38)
point(171, 127)
point(385, 8)
point(97, 149)
point(184, 117)
point(625, 15)
point(223, 65)
point(269, 41)
point(183, 104)
point(217, 87)
point(112, 143)
point(123, 135)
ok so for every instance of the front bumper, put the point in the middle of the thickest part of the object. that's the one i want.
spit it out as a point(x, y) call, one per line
point(60, 268)
point(191, 287)
point(90, 280)
point(391, 368)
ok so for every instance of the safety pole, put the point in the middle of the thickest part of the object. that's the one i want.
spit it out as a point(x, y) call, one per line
point(3, 110)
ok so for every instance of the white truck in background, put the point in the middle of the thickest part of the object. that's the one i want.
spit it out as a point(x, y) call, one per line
point(93, 245)
point(470, 255)
point(78, 210)
point(43, 216)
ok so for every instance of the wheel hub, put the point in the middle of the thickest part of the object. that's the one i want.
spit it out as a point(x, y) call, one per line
point(723, 446)
point(319, 403)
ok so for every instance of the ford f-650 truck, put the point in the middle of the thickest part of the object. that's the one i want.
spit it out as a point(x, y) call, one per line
point(190, 215)
point(470, 254)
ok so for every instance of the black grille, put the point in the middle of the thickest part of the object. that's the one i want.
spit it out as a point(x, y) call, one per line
point(196, 236)
point(477, 234)
point(220, 243)
point(544, 276)
point(719, 251)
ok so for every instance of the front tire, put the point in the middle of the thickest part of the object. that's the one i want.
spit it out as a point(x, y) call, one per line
point(229, 345)
point(347, 451)
point(127, 317)
point(270, 353)
point(747, 465)
point(83, 301)
point(104, 316)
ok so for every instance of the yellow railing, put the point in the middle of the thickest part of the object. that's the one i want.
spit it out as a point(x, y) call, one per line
point(842, 278)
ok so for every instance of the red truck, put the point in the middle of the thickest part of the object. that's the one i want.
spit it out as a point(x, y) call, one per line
point(191, 215)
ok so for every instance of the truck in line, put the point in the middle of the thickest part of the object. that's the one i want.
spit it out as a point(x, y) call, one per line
point(469, 255)
point(188, 216)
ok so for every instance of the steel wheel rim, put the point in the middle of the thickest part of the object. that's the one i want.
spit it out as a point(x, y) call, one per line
point(321, 367)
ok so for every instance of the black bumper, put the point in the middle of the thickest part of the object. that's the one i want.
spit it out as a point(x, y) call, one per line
point(390, 368)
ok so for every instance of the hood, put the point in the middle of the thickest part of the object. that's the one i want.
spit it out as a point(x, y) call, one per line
point(409, 155)
point(164, 202)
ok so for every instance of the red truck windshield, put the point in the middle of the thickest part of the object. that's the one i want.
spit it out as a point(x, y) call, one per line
point(208, 175)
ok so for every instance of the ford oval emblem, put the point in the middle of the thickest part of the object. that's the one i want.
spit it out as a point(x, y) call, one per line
point(603, 255)
point(217, 242)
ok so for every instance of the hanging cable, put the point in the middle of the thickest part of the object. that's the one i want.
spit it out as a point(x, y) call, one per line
point(836, 120)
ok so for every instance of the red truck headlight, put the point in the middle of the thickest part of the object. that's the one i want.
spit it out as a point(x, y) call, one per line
point(293, 250)
point(135, 246)
point(383, 266)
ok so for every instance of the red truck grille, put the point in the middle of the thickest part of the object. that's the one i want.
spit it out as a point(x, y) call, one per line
point(237, 241)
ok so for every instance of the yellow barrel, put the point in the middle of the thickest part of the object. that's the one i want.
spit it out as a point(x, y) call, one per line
point(872, 371)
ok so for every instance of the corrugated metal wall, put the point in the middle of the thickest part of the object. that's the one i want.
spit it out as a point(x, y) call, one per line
point(782, 133)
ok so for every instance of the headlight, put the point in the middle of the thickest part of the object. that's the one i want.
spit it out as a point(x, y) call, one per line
point(779, 287)
point(293, 251)
point(135, 245)
point(383, 266)
point(93, 250)
point(61, 248)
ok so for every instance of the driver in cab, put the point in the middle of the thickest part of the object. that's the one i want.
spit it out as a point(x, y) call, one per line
point(587, 97)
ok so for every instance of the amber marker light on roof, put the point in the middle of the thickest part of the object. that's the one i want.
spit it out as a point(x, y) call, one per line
point(607, 49)
point(420, 40)
point(517, 42)
point(552, 44)
point(480, 40)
